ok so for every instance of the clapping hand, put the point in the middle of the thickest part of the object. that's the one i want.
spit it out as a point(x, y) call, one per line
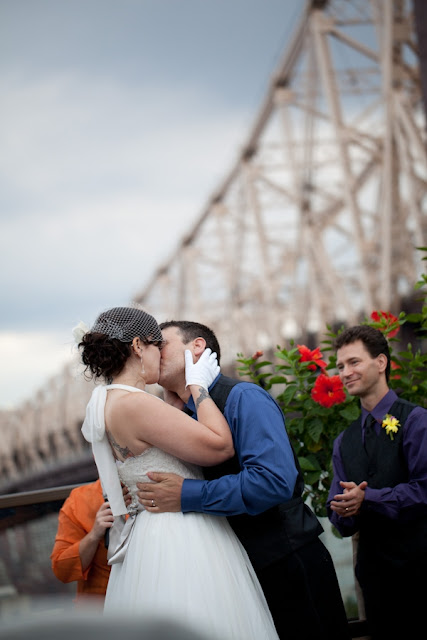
point(349, 502)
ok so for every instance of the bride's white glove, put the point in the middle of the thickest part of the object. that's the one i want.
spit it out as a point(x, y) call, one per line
point(204, 371)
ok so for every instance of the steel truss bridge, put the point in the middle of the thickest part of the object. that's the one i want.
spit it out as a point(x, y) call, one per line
point(317, 221)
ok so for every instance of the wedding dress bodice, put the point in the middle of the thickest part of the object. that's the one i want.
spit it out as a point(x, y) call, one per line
point(135, 469)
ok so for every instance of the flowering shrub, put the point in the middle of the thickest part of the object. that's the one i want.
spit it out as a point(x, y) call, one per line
point(315, 403)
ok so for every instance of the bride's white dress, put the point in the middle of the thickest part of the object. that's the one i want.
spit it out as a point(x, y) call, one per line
point(189, 567)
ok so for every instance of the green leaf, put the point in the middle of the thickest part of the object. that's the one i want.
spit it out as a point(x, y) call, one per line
point(258, 376)
point(309, 463)
point(258, 365)
point(336, 533)
point(408, 355)
point(288, 395)
point(414, 317)
point(315, 428)
point(306, 464)
point(350, 412)
point(311, 477)
point(278, 380)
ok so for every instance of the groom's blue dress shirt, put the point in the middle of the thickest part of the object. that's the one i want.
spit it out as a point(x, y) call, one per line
point(268, 471)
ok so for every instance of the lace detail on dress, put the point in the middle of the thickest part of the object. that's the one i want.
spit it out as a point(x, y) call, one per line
point(135, 470)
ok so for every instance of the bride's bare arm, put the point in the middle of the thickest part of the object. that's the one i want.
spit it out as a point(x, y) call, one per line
point(140, 419)
point(172, 398)
point(206, 441)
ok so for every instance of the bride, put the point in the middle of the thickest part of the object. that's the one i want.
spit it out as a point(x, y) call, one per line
point(189, 568)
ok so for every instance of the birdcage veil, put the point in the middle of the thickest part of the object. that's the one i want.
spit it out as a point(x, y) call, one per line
point(125, 323)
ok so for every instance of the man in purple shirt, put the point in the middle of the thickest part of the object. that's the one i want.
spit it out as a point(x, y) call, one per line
point(380, 488)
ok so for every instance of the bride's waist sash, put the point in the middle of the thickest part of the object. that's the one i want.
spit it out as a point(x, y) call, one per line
point(120, 535)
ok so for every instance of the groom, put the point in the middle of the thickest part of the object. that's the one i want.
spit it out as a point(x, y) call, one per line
point(259, 490)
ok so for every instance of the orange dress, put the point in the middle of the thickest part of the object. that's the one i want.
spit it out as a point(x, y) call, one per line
point(75, 520)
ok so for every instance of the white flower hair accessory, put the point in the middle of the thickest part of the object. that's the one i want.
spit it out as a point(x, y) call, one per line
point(79, 331)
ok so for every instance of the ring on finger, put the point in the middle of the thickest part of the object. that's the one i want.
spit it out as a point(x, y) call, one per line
point(153, 504)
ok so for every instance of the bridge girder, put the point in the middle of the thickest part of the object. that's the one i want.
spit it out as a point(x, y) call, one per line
point(318, 220)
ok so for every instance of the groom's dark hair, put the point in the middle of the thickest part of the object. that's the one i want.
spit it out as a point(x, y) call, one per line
point(192, 330)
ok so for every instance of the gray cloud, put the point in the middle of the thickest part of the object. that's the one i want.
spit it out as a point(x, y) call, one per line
point(118, 121)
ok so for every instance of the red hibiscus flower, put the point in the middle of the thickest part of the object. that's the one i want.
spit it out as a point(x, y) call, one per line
point(257, 355)
point(394, 367)
point(386, 320)
point(307, 356)
point(328, 391)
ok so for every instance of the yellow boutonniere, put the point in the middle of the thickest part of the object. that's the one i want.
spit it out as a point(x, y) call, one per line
point(391, 425)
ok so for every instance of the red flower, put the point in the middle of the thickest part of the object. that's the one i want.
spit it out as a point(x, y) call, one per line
point(386, 320)
point(308, 356)
point(257, 355)
point(328, 391)
point(395, 366)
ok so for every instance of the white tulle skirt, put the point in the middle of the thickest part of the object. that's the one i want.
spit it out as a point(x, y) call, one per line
point(190, 568)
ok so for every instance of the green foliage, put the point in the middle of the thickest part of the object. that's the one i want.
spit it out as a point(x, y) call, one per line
point(312, 428)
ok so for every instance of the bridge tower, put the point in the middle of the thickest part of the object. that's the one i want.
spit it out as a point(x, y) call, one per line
point(319, 218)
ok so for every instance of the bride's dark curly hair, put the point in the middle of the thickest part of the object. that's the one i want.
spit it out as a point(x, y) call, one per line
point(104, 357)
point(107, 346)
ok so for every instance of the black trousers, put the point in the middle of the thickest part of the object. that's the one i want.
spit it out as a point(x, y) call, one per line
point(304, 597)
point(395, 597)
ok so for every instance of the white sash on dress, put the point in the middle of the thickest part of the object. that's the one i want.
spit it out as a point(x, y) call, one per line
point(120, 536)
point(93, 430)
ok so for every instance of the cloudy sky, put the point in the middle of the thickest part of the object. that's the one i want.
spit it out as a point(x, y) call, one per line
point(118, 120)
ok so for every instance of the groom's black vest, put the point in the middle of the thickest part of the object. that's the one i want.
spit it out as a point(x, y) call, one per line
point(277, 532)
point(397, 542)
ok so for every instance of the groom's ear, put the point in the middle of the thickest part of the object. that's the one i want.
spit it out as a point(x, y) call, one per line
point(199, 346)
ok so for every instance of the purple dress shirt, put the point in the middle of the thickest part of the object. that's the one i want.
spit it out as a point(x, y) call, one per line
point(387, 501)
